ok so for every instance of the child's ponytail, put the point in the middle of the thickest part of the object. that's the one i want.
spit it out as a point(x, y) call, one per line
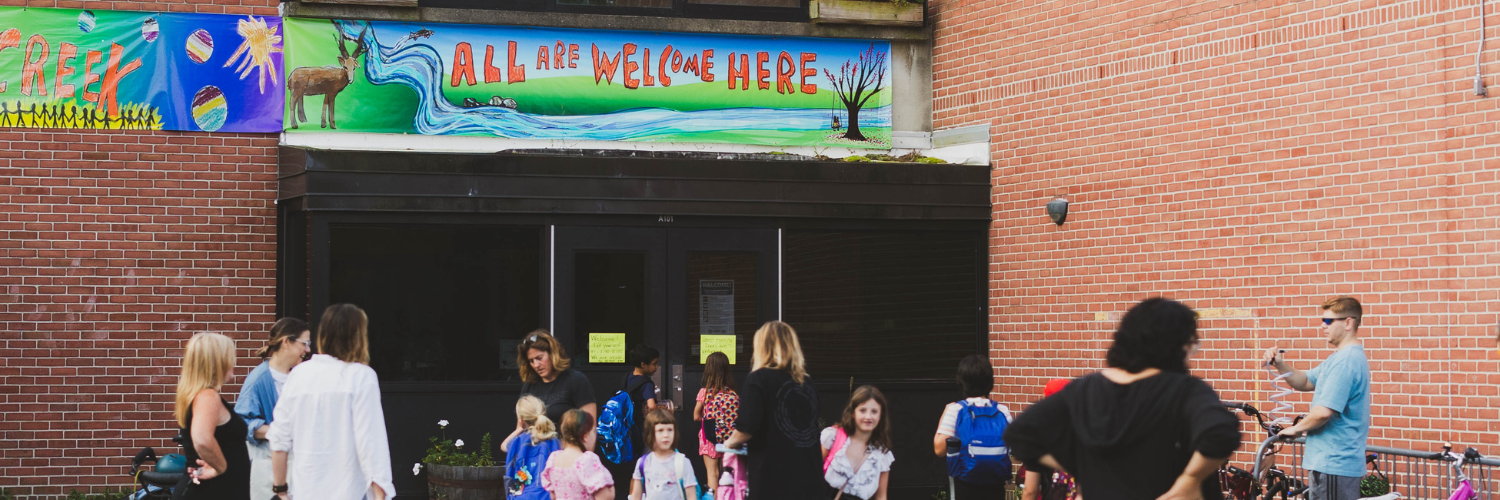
point(533, 413)
point(542, 430)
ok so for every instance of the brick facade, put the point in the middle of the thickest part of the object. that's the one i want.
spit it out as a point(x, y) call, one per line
point(1251, 159)
point(116, 248)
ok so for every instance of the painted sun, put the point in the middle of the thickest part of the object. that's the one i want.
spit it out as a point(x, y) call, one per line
point(259, 42)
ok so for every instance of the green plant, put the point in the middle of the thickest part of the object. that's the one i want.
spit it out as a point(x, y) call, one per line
point(451, 452)
point(856, 158)
point(75, 495)
point(5, 494)
point(940, 495)
point(1374, 485)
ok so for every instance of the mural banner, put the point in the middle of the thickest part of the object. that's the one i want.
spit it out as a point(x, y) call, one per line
point(543, 83)
point(106, 69)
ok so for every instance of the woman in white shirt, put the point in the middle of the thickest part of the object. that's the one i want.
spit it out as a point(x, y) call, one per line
point(857, 452)
point(329, 417)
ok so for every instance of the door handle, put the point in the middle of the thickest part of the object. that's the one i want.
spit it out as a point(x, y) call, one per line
point(677, 386)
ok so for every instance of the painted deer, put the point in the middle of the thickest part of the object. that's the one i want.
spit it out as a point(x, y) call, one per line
point(326, 81)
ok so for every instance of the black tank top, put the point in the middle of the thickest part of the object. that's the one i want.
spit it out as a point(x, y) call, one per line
point(232, 484)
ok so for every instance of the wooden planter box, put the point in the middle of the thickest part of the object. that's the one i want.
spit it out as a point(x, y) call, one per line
point(446, 482)
point(875, 12)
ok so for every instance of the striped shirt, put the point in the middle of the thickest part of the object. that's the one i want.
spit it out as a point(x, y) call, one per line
point(950, 415)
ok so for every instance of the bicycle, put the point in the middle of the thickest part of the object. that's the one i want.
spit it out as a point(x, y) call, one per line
point(156, 484)
point(1465, 488)
point(1266, 481)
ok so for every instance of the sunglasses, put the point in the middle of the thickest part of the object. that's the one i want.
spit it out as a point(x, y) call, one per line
point(1329, 321)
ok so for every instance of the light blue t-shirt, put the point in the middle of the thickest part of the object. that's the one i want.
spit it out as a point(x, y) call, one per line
point(1341, 384)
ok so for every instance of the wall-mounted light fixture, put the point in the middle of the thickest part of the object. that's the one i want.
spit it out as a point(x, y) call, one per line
point(1057, 209)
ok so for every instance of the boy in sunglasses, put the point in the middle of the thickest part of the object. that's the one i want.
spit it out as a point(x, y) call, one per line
point(1339, 422)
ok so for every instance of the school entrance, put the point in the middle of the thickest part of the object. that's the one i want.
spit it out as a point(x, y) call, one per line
point(455, 257)
point(670, 288)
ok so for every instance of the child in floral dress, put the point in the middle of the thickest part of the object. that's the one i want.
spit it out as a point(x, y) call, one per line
point(575, 472)
point(718, 407)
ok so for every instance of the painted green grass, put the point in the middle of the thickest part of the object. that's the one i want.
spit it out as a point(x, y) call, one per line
point(879, 138)
point(389, 109)
point(561, 96)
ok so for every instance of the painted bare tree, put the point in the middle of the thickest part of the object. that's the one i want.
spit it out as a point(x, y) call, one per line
point(856, 83)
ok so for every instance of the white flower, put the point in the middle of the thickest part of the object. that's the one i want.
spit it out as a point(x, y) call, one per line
point(442, 423)
point(459, 443)
point(416, 468)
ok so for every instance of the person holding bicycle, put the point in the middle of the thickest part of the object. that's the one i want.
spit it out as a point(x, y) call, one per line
point(1339, 422)
point(1141, 429)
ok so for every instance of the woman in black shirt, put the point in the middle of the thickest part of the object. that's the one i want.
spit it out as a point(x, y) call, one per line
point(545, 374)
point(1141, 428)
point(778, 420)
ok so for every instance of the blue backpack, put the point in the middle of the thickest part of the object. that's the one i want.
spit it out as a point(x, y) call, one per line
point(615, 421)
point(523, 467)
point(984, 458)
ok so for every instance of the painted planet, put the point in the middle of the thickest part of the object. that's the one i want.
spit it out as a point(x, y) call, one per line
point(149, 29)
point(86, 21)
point(210, 110)
point(200, 46)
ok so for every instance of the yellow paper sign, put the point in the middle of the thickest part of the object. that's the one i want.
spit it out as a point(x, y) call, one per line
point(606, 348)
point(710, 344)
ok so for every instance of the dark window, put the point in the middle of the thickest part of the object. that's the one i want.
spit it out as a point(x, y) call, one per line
point(721, 300)
point(446, 303)
point(884, 304)
point(650, 4)
point(748, 10)
point(610, 297)
point(792, 4)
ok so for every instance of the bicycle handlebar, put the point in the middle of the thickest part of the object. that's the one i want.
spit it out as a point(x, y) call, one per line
point(1260, 453)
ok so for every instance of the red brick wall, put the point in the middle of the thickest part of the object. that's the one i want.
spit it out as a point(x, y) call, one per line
point(1251, 159)
point(114, 249)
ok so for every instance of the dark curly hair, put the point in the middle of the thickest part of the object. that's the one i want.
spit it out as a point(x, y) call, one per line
point(1153, 334)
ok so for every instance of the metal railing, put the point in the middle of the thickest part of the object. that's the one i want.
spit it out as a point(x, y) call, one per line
point(1423, 475)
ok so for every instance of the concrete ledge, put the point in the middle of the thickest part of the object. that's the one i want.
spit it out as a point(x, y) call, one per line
point(961, 135)
point(601, 21)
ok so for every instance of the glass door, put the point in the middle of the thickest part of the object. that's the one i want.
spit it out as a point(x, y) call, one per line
point(688, 292)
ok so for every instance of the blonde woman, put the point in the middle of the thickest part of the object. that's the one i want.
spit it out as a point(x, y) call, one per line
point(329, 417)
point(215, 434)
point(545, 374)
point(778, 420)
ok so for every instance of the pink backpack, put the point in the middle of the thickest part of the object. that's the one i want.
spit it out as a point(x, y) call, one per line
point(839, 439)
point(734, 483)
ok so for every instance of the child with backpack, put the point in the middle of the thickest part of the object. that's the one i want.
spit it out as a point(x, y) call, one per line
point(718, 406)
point(574, 472)
point(663, 473)
point(621, 421)
point(857, 451)
point(981, 466)
point(526, 450)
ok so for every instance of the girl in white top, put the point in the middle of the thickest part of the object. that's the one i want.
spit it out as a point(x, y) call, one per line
point(329, 416)
point(662, 474)
point(857, 452)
